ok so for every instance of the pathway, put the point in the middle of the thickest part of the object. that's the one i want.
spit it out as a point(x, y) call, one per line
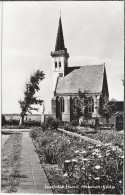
point(33, 178)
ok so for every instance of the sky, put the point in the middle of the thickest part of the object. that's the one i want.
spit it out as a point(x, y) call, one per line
point(93, 34)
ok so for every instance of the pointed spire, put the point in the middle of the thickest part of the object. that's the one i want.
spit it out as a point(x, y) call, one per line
point(60, 40)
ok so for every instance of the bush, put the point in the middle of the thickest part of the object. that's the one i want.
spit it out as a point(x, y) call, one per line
point(51, 154)
point(84, 124)
point(50, 123)
point(12, 122)
point(33, 133)
point(45, 138)
point(69, 127)
point(55, 124)
point(43, 126)
point(61, 124)
point(74, 123)
point(119, 126)
point(3, 120)
point(32, 123)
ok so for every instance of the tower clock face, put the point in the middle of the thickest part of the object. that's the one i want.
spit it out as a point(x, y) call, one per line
point(60, 74)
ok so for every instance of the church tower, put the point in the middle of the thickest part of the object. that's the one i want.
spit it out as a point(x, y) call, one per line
point(59, 56)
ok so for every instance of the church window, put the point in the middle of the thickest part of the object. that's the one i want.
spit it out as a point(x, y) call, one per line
point(60, 64)
point(91, 105)
point(55, 64)
point(61, 104)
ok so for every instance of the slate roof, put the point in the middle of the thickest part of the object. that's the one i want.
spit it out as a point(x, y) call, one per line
point(88, 77)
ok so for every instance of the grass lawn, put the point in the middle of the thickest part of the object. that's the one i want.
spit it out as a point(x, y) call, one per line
point(10, 163)
point(4, 138)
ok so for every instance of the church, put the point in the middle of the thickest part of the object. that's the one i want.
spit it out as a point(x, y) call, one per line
point(67, 81)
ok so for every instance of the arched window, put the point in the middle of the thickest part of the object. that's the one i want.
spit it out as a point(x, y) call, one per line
point(61, 104)
point(91, 105)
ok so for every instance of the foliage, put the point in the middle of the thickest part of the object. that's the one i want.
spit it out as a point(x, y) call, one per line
point(55, 124)
point(70, 127)
point(30, 99)
point(35, 132)
point(119, 126)
point(85, 131)
point(105, 109)
point(74, 123)
point(82, 129)
point(119, 122)
point(108, 137)
point(12, 122)
point(84, 167)
point(87, 124)
point(84, 100)
point(50, 144)
point(51, 123)
point(14, 127)
point(15, 124)
point(32, 123)
point(3, 120)
point(94, 168)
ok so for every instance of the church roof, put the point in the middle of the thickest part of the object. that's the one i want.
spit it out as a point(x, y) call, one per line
point(88, 78)
point(60, 40)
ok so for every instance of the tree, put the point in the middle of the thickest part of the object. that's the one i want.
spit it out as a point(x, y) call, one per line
point(105, 108)
point(31, 87)
point(3, 120)
point(84, 101)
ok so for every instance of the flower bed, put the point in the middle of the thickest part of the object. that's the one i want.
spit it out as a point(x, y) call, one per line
point(113, 137)
point(105, 136)
point(76, 166)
